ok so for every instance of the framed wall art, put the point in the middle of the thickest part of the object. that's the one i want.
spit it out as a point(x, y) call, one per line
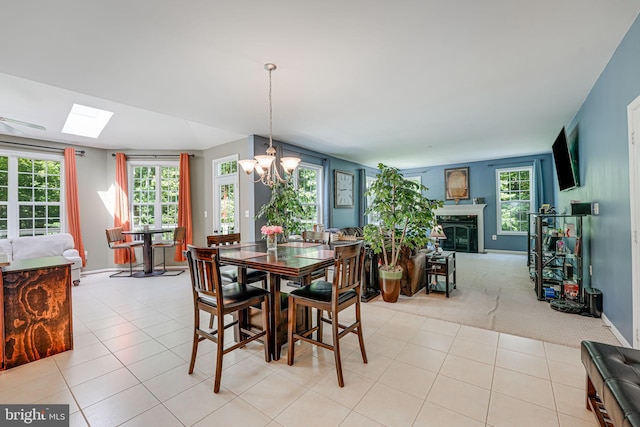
point(343, 194)
point(456, 184)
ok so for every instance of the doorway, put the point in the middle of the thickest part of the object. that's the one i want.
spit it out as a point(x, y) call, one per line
point(633, 116)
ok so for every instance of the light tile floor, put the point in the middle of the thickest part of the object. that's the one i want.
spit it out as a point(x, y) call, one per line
point(133, 344)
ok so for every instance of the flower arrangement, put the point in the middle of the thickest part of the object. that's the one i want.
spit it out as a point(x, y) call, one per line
point(268, 230)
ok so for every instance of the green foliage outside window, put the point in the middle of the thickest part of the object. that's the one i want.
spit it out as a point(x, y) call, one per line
point(515, 199)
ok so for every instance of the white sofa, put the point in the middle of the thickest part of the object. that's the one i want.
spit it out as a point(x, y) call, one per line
point(41, 246)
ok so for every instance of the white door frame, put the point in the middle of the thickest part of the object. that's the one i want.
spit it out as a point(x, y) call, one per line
point(216, 183)
point(633, 119)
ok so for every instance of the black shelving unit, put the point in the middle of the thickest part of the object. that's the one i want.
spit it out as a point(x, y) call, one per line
point(555, 244)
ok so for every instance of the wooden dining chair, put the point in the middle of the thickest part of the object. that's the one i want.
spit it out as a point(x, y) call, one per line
point(323, 237)
point(116, 241)
point(179, 234)
point(332, 297)
point(229, 273)
point(209, 295)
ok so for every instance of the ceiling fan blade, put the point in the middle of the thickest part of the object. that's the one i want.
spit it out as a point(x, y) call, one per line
point(18, 122)
point(6, 129)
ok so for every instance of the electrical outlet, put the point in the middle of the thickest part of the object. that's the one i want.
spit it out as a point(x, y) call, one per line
point(596, 208)
point(205, 214)
point(590, 270)
point(246, 214)
point(494, 237)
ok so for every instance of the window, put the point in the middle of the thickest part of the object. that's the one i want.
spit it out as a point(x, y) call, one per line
point(308, 182)
point(31, 194)
point(372, 218)
point(225, 197)
point(515, 199)
point(154, 194)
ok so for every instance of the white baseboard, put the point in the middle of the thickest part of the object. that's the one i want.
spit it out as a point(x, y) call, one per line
point(113, 270)
point(615, 331)
point(499, 251)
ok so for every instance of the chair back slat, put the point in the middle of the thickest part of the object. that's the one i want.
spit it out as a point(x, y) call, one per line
point(316, 236)
point(348, 268)
point(223, 239)
point(205, 272)
point(114, 235)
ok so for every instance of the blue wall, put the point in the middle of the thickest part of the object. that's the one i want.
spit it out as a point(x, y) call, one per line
point(604, 174)
point(482, 183)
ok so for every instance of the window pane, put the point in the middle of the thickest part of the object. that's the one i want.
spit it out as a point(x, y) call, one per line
point(227, 168)
point(515, 199)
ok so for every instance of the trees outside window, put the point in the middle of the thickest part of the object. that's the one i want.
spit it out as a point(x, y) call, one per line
point(154, 195)
point(31, 195)
point(515, 199)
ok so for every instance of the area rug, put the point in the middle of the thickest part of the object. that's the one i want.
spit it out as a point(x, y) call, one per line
point(494, 292)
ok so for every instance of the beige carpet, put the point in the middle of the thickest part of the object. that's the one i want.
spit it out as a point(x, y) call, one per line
point(494, 292)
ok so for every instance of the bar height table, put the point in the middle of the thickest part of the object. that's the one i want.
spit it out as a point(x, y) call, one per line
point(147, 251)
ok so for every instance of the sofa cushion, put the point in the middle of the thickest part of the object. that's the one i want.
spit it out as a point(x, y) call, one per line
point(40, 246)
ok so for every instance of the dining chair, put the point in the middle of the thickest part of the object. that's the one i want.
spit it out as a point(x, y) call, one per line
point(332, 297)
point(179, 234)
point(229, 273)
point(211, 296)
point(323, 237)
point(116, 241)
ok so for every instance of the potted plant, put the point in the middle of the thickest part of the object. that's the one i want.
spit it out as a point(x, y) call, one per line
point(284, 209)
point(404, 220)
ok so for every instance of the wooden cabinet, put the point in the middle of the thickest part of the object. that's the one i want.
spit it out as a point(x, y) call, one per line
point(35, 308)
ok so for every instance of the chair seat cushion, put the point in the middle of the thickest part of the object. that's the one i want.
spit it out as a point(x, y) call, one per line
point(125, 245)
point(235, 293)
point(164, 244)
point(321, 291)
point(231, 275)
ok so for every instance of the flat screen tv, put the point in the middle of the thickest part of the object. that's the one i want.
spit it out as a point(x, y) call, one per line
point(565, 155)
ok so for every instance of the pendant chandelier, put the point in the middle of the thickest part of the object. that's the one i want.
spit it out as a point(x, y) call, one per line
point(265, 165)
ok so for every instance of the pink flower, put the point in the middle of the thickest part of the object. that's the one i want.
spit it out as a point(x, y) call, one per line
point(271, 229)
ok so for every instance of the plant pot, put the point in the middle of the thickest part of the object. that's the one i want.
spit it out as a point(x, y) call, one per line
point(390, 285)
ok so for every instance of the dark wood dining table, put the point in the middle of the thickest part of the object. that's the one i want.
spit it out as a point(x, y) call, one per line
point(147, 250)
point(292, 259)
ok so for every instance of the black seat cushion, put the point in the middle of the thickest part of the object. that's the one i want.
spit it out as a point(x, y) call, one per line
point(321, 291)
point(231, 275)
point(235, 293)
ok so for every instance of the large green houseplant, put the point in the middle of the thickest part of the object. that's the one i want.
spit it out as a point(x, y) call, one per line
point(404, 219)
point(284, 209)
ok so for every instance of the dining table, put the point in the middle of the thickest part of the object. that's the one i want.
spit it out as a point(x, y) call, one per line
point(147, 250)
point(290, 259)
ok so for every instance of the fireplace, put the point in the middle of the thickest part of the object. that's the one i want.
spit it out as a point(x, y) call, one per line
point(461, 232)
point(466, 234)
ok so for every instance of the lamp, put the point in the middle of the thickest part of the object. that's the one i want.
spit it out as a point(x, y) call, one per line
point(437, 233)
point(264, 165)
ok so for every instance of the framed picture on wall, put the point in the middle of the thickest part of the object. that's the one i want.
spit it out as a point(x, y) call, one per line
point(343, 194)
point(456, 184)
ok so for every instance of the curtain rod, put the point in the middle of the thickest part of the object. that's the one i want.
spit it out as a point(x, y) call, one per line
point(152, 155)
point(42, 147)
point(514, 163)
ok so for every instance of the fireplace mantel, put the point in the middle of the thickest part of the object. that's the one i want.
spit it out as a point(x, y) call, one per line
point(467, 209)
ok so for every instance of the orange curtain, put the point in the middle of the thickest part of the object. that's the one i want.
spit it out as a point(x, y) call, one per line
point(184, 205)
point(73, 206)
point(121, 213)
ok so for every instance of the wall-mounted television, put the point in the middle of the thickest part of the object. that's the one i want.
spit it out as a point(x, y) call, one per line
point(565, 155)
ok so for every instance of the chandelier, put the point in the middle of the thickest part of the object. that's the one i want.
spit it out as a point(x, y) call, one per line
point(265, 166)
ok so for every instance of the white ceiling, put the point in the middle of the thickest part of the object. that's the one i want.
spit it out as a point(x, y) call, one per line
point(409, 83)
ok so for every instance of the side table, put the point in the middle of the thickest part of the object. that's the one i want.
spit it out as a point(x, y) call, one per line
point(444, 264)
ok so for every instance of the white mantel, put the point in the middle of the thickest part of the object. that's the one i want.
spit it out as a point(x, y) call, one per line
point(477, 210)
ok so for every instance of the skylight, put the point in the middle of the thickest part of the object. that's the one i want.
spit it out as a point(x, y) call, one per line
point(86, 121)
